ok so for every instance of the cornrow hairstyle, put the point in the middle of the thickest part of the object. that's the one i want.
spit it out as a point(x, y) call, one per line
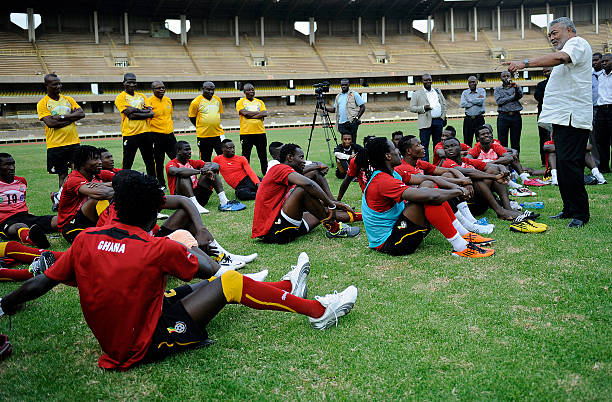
point(137, 198)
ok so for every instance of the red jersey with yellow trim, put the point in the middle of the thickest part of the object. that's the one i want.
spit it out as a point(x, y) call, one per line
point(71, 199)
point(270, 198)
point(191, 164)
point(13, 197)
point(121, 273)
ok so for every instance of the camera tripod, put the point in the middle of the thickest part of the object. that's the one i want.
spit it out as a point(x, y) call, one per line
point(326, 123)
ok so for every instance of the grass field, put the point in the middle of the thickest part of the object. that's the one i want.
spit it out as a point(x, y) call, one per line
point(532, 322)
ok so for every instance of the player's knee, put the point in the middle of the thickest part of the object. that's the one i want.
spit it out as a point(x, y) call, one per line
point(428, 184)
point(231, 282)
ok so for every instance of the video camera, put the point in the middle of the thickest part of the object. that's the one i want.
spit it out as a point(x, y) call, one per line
point(321, 87)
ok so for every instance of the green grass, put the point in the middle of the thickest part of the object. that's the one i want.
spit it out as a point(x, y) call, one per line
point(532, 322)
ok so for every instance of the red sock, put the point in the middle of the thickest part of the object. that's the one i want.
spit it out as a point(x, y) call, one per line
point(355, 216)
point(14, 274)
point(437, 215)
point(282, 285)
point(24, 236)
point(262, 296)
point(23, 253)
point(332, 226)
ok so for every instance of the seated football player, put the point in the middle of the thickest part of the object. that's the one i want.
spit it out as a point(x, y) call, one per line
point(147, 324)
point(16, 222)
point(289, 204)
point(108, 162)
point(551, 163)
point(397, 216)
point(438, 154)
point(412, 152)
point(396, 136)
point(488, 178)
point(236, 171)
point(85, 193)
point(343, 153)
point(13, 253)
point(355, 172)
point(183, 179)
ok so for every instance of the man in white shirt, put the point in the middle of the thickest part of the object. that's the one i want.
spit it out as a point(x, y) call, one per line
point(603, 119)
point(568, 107)
point(430, 105)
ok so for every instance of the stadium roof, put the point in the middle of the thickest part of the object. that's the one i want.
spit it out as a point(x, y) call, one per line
point(281, 9)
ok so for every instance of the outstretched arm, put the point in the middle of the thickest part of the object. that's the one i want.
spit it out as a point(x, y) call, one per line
point(434, 196)
point(30, 290)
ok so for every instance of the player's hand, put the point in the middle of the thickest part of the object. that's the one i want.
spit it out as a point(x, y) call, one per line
point(323, 168)
point(470, 189)
point(503, 178)
point(92, 184)
point(514, 66)
point(342, 206)
point(204, 238)
point(427, 107)
point(466, 181)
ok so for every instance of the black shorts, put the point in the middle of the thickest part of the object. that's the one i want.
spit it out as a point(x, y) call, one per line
point(405, 238)
point(202, 194)
point(59, 159)
point(283, 231)
point(175, 331)
point(75, 226)
point(28, 219)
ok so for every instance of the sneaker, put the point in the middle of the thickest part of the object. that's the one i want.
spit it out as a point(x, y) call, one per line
point(232, 205)
point(477, 239)
point(521, 192)
point(345, 231)
point(258, 276)
point(527, 214)
point(38, 237)
point(336, 305)
point(482, 229)
point(474, 251)
point(245, 258)
point(161, 217)
point(515, 205)
point(482, 221)
point(54, 201)
point(528, 226)
point(226, 261)
point(512, 184)
point(534, 182)
point(42, 263)
point(298, 276)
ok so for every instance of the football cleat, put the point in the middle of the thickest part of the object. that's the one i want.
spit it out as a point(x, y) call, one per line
point(474, 251)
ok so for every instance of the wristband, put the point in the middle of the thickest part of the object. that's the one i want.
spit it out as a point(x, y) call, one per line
point(1, 311)
point(329, 208)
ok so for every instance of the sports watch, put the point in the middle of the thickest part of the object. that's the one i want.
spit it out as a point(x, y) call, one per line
point(526, 62)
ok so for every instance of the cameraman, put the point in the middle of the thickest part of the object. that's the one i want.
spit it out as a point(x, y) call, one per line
point(509, 112)
point(350, 108)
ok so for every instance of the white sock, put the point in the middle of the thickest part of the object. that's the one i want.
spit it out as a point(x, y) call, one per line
point(460, 229)
point(222, 270)
point(473, 227)
point(595, 171)
point(512, 184)
point(222, 198)
point(458, 242)
point(524, 176)
point(465, 211)
point(553, 174)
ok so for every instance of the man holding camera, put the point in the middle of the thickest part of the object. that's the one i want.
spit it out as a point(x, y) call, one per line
point(509, 112)
point(350, 107)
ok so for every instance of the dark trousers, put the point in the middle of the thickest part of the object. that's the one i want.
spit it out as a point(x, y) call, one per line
point(163, 144)
point(144, 143)
point(259, 140)
point(544, 136)
point(434, 131)
point(349, 128)
point(513, 124)
point(470, 125)
point(603, 131)
point(593, 139)
point(246, 190)
point(570, 143)
point(206, 145)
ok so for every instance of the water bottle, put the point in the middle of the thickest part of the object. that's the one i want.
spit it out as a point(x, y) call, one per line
point(533, 205)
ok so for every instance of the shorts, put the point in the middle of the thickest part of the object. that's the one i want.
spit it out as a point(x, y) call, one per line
point(75, 226)
point(405, 237)
point(59, 159)
point(28, 219)
point(202, 194)
point(175, 330)
point(283, 231)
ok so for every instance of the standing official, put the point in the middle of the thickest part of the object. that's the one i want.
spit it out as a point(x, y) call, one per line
point(350, 107)
point(135, 111)
point(509, 112)
point(473, 101)
point(538, 94)
point(205, 114)
point(430, 104)
point(603, 120)
point(162, 129)
point(252, 112)
point(597, 70)
point(568, 107)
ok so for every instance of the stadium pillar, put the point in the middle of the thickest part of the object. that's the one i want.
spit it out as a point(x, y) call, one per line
point(522, 21)
point(281, 28)
point(59, 23)
point(571, 10)
point(498, 23)
point(452, 24)
point(183, 29)
point(311, 31)
point(399, 26)
point(547, 15)
point(382, 30)
point(95, 23)
point(204, 28)
point(126, 30)
point(329, 28)
point(261, 25)
point(359, 30)
point(31, 28)
point(475, 24)
point(597, 17)
point(236, 31)
point(428, 28)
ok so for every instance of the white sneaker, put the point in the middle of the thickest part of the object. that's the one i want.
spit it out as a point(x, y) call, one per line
point(554, 182)
point(515, 205)
point(512, 184)
point(245, 258)
point(226, 263)
point(298, 276)
point(201, 209)
point(258, 276)
point(483, 229)
point(336, 305)
point(601, 179)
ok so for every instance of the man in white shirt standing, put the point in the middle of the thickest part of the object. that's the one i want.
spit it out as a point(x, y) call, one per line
point(568, 107)
point(603, 118)
point(430, 105)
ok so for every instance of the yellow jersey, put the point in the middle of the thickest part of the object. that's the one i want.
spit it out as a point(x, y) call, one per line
point(162, 119)
point(251, 126)
point(132, 127)
point(58, 137)
point(208, 116)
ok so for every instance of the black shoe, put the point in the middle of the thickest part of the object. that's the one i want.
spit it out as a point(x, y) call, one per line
point(560, 215)
point(575, 223)
point(38, 237)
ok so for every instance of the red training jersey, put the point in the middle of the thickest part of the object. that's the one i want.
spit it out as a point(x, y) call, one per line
point(354, 171)
point(436, 158)
point(270, 198)
point(13, 197)
point(384, 192)
point(234, 169)
point(121, 273)
point(71, 199)
point(466, 163)
point(492, 154)
point(191, 164)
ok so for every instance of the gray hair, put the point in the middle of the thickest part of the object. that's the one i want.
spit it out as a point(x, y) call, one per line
point(565, 22)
